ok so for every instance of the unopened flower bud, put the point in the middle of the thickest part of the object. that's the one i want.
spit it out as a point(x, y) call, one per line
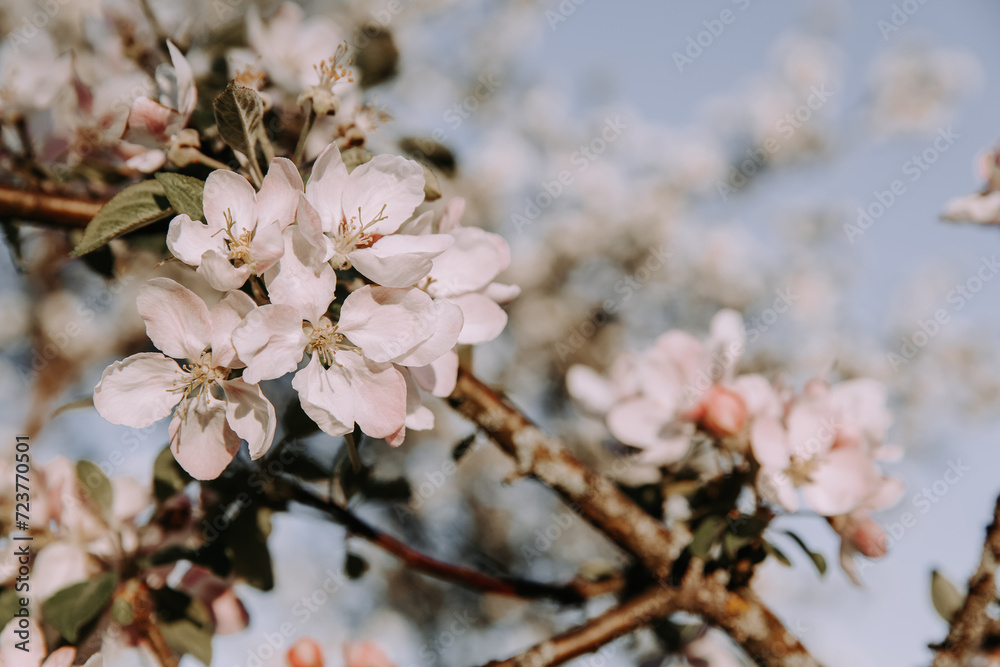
point(305, 652)
point(724, 413)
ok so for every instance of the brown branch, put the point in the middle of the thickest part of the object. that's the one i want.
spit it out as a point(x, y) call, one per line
point(575, 592)
point(751, 624)
point(971, 624)
point(47, 209)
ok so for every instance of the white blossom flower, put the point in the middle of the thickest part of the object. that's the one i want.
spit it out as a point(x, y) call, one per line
point(242, 233)
point(212, 412)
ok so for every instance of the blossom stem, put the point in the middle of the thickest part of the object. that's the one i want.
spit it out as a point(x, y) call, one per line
point(300, 147)
point(54, 210)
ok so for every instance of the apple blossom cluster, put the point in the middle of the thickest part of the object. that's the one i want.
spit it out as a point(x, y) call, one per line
point(819, 448)
point(982, 207)
point(363, 302)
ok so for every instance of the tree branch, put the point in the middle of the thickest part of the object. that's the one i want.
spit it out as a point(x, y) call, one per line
point(971, 624)
point(751, 624)
point(48, 209)
point(577, 591)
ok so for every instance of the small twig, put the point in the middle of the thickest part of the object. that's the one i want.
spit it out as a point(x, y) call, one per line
point(971, 624)
point(47, 209)
point(300, 147)
point(575, 592)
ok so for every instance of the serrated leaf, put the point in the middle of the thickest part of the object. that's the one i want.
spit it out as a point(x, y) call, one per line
point(184, 193)
point(95, 485)
point(947, 599)
point(136, 206)
point(705, 535)
point(777, 553)
point(73, 607)
point(239, 112)
point(817, 558)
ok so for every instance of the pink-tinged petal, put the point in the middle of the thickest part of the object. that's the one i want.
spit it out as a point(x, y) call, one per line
point(148, 122)
point(177, 320)
point(811, 427)
point(769, 443)
point(309, 223)
point(502, 294)
point(365, 654)
point(640, 422)
point(250, 414)
point(326, 396)
point(449, 325)
point(302, 279)
point(841, 482)
point(129, 498)
point(228, 192)
point(58, 565)
point(326, 186)
point(226, 316)
point(220, 273)
point(305, 652)
point(759, 396)
point(590, 389)
point(147, 161)
point(61, 657)
point(984, 209)
point(452, 215)
point(229, 613)
point(14, 657)
point(189, 239)
point(724, 413)
point(674, 369)
point(475, 259)
point(96, 660)
point(727, 340)
point(888, 492)
point(202, 441)
point(776, 487)
point(184, 92)
point(386, 181)
point(399, 261)
point(419, 226)
point(379, 394)
point(665, 451)
point(279, 194)
point(140, 390)
point(270, 341)
point(440, 376)
point(418, 416)
point(266, 247)
point(861, 404)
point(397, 438)
point(387, 322)
point(868, 537)
point(484, 320)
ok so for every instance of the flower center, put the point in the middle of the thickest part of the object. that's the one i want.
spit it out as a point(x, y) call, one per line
point(334, 68)
point(352, 234)
point(201, 377)
point(238, 245)
point(800, 471)
point(325, 340)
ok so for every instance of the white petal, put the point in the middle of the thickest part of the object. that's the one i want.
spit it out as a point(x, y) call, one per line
point(310, 224)
point(202, 441)
point(64, 656)
point(984, 209)
point(227, 191)
point(418, 416)
point(220, 273)
point(502, 294)
point(326, 397)
point(841, 482)
point(189, 239)
point(302, 279)
point(399, 261)
point(266, 247)
point(641, 422)
point(769, 443)
point(440, 376)
point(279, 194)
point(452, 215)
point(140, 390)
point(177, 320)
point(388, 181)
point(776, 487)
point(326, 186)
point(58, 565)
point(484, 320)
point(591, 389)
point(13, 657)
point(270, 341)
point(186, 93)
point(379, 395)
point(226, 316)
point(449, 325)
point(476, 258)
point(387, 322)
point(250, 414)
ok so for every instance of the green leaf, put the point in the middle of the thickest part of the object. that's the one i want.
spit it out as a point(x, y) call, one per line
point(95, 485)
point(72, 608)
point(191, 632)
point(706, 534)
point(184, 193)
point(777, 553)
point(122, 612)
point(136, 206)
point(246, 545)
point(168, 475)
point(239, 112)
point(10, 604)
point(817, 558)
point(733, 543)
point(947, 599)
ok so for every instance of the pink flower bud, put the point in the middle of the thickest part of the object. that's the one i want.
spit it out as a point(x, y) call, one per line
point(868, 537)
point(305, 652)
point(724, 413)
point(365, 654)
